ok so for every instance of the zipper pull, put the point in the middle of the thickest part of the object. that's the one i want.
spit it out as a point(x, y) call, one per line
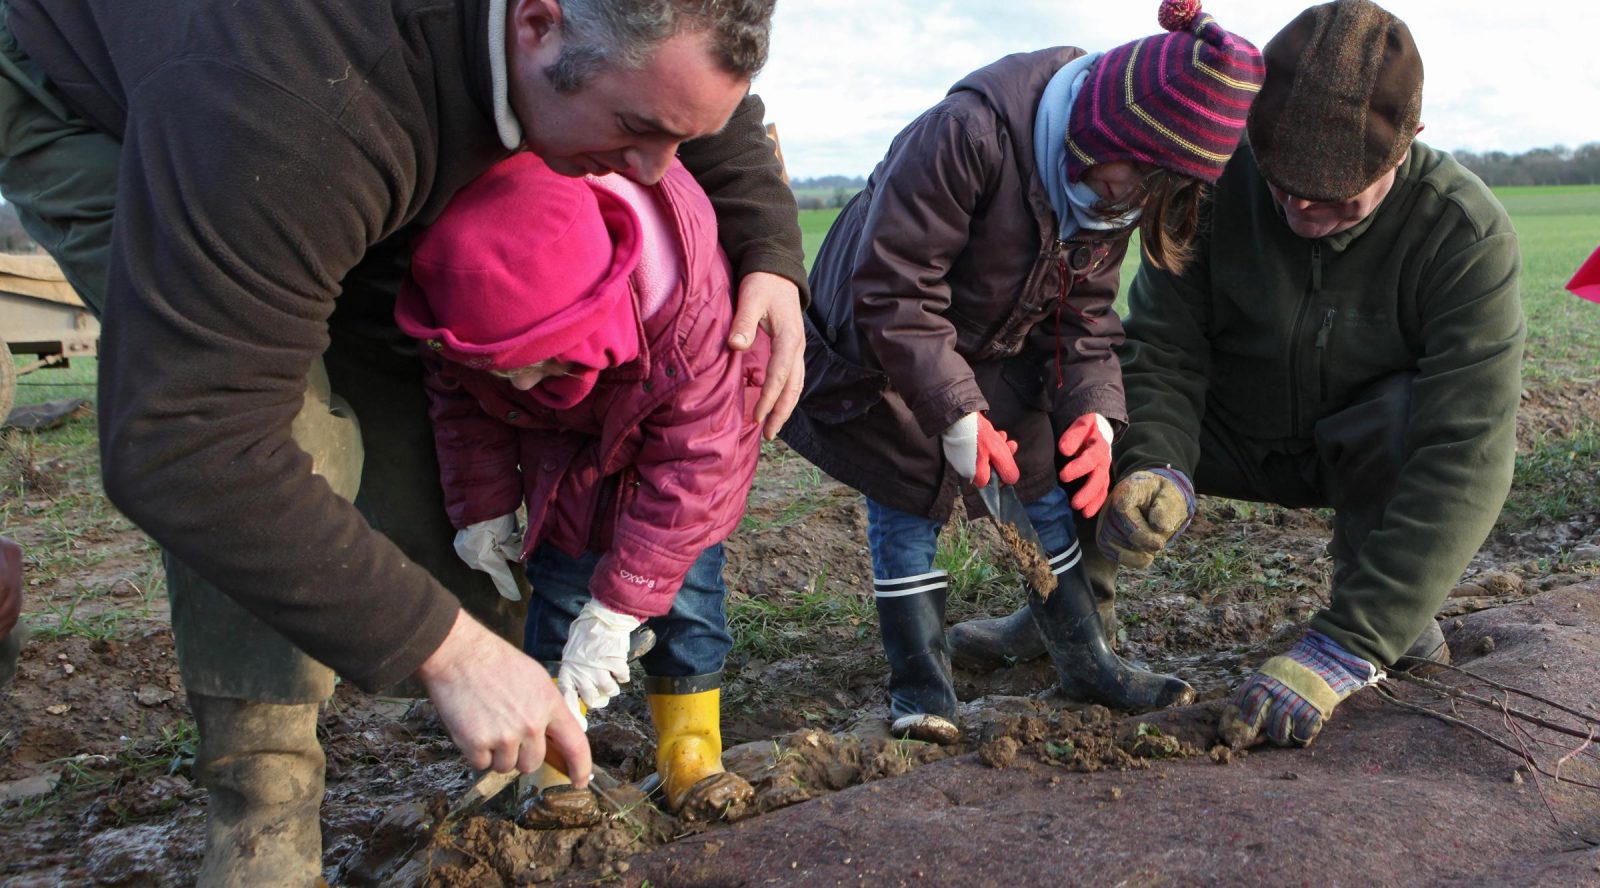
point(1325, 329)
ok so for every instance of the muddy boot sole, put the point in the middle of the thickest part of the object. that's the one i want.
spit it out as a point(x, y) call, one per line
point(926, 728)
point(561, 807)
point(717, 796)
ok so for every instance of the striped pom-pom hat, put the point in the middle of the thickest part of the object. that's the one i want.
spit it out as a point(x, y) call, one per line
point(1176, 100)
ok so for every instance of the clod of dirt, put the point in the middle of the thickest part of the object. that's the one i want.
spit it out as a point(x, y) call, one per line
point(1000, 752)
point(1035, 566)
point(1500, 582)
point(1087, 740)
point(561, 807)
point(808, 763)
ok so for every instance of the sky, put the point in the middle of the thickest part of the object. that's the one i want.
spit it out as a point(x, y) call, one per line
point(845, 75)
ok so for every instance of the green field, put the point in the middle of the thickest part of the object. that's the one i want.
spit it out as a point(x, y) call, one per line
point(1558, 229)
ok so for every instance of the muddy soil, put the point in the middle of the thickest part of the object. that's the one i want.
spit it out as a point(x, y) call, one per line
point(96, 746)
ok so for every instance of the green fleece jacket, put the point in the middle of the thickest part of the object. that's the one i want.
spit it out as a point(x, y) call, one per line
point(1269, 332)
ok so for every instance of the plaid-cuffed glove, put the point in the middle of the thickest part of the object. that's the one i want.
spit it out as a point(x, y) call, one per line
point(1148, 509)
point(1289, 699)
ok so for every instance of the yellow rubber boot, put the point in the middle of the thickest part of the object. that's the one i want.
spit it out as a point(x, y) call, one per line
point(687, 713)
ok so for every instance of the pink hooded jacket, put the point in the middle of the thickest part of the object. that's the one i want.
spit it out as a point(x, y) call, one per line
point(649, 469)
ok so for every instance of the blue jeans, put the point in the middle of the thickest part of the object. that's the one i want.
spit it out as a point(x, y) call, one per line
point(691, 639)
point(903, 544)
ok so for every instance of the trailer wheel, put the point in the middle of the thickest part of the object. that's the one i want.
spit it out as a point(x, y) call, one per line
point(8, 381)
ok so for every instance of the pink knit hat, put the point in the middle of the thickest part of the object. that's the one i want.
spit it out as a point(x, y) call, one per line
point(526, 265)
point(1177, 100)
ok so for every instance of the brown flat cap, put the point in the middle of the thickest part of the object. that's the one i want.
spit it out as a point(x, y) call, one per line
point(1341, 101)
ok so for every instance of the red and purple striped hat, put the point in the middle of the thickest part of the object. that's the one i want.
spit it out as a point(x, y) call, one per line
point(1177, 100)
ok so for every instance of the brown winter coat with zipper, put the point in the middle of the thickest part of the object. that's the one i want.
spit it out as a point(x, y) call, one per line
point(942, 289)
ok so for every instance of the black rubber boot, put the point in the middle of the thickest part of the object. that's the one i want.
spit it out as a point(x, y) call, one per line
point(991, 643)
point(922, 698)
point(1075, 638)
point(981, 645)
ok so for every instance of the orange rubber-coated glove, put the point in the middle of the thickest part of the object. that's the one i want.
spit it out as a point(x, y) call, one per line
point(973, 446)
point(1087, 446)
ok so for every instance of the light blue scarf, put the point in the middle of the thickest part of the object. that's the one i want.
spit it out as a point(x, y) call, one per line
point(1072, 201)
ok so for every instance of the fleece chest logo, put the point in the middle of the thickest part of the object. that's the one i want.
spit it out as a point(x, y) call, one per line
point(636, 579)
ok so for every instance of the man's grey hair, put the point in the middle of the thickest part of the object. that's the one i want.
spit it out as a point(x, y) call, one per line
point(600, 34)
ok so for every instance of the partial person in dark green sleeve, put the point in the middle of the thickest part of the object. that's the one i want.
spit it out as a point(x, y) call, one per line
point(1349, 335)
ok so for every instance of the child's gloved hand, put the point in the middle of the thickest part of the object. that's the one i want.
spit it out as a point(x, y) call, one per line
point(487, 546)
point(594, 662)
point(1087, 446)
point(973, 446)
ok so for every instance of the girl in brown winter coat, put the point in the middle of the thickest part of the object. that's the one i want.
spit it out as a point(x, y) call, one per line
point(961, 323)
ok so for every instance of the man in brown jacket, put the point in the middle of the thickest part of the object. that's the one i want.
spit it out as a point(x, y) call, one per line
point(211, 176)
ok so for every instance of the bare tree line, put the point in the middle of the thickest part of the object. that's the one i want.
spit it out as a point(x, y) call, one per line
point(1559, 165)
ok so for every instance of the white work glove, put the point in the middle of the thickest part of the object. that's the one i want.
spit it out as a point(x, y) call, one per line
point(488, 545)
point(595, 661)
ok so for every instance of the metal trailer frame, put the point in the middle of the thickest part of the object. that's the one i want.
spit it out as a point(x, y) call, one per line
point(40, 315)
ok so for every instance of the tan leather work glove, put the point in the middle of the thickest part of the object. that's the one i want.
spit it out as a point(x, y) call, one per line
point(1148, 509)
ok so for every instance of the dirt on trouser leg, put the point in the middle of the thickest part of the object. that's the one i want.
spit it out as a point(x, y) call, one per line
point(263, 767)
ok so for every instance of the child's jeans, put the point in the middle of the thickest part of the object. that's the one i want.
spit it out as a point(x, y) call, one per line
point(903, 544)
point(691, 639)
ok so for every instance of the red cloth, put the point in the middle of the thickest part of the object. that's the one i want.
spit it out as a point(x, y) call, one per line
point(526, 265)
point(649, 469)
point(1586, 282)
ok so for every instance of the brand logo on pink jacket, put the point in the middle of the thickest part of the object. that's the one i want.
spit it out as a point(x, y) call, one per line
point(637, 580)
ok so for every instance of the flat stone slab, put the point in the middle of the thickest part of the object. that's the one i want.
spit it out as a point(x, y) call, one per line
point(1384, 797)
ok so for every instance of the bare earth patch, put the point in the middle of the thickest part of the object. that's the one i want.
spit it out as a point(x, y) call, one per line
point(96, 745)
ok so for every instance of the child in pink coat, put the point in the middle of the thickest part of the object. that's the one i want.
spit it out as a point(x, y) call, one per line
point(574, 332)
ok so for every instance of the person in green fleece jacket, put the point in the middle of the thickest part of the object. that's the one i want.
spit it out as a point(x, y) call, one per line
point(1350, 334)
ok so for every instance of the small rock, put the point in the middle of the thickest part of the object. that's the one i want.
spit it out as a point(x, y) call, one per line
point(150, 695)
point(1468, 590)
point(1486, 644)
point(1116, 793)
point(1516, 778)
point(1457, 624)
point(1289, 775)
point(28, 787)
point(1585, 553)
point(59, 709)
